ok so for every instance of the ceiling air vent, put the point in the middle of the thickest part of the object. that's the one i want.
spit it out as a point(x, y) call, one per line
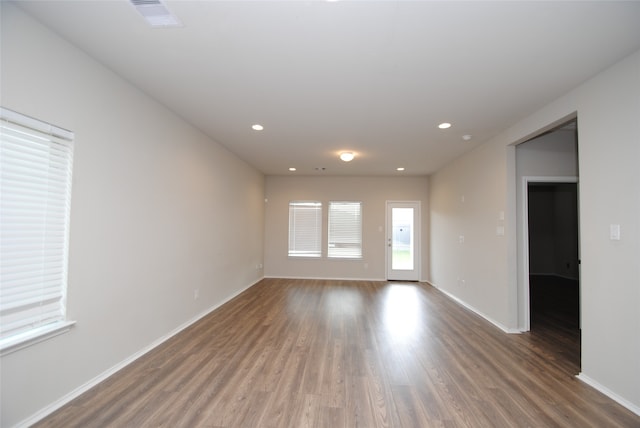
point(155, 13)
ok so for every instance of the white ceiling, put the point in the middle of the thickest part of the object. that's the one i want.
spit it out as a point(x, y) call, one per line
point(375, 77)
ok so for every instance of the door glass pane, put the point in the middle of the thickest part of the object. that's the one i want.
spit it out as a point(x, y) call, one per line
point(402, 238)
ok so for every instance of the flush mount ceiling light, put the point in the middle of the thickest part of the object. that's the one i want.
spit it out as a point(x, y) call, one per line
point(155, 13)
point(257, 127)
point(444, 125)
point(347, 156)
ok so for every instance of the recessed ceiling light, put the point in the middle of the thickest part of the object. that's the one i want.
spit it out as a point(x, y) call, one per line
point(400, 169)
point(466, 137)
point(347, 156)
point(444, 125)
point(292, 169)
point(257, 127)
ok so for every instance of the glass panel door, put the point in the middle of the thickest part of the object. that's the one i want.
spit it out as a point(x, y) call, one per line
point(402, 238)
point(403, 249)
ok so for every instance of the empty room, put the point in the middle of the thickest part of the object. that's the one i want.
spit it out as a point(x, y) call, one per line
point(319, 213)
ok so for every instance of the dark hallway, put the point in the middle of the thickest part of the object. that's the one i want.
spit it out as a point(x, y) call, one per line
point(555, 314)
point(554, 287)
point(554, 300)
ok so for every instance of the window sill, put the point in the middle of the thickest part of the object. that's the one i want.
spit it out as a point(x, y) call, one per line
point(21, 341)
point(326, 258)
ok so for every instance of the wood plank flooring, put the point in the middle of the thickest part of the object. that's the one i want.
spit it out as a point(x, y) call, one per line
point(314, 353)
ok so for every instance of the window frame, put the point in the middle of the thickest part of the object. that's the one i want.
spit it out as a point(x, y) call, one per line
point(332, 240)
point(36, 157)
point(317, 234)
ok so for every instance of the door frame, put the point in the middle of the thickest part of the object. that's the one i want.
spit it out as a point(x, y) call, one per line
point(417, 237)
point(524, 247)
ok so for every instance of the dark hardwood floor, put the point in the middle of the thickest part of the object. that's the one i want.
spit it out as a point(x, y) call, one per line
point(312, 353)
point(555, 313)
point(555, 300)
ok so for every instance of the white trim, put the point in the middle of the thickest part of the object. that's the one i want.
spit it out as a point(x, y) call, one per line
point(326, 278)
point(606, 391)
point(46, 411)
point(38, 125)
point(475, 311)
point(524, 242)
point(12, 344)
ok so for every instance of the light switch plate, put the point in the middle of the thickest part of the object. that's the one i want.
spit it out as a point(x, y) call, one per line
point(614, 232)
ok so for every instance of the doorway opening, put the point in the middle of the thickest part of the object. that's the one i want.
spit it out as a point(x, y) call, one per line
point(403, 241)
point(554, 282)
point(549, 255)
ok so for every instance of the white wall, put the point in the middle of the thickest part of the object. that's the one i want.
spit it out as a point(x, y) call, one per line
point(467, 199)
point(553, 154)
point(609, 155)
point(608, 108)
point(372, 191)
point(158, 210)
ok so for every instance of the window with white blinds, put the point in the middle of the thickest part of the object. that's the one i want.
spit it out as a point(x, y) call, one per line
point(35, 183)
point(345, 230)
point(305, 229)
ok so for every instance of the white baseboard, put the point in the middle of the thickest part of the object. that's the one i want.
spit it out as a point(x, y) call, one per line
point(606, 391)
point(46, 411)
point(475, 311)
point(324, 278)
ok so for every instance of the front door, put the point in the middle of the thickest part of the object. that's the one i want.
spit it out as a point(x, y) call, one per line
point(403, 241)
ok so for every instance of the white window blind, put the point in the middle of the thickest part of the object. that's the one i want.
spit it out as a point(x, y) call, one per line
point(35, 182)
point(305, 229)
point(345, 230)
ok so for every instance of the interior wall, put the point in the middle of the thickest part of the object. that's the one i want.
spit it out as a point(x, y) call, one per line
point(158, 210)
point(608, 107)
point(468, 213)
point(372, 191)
